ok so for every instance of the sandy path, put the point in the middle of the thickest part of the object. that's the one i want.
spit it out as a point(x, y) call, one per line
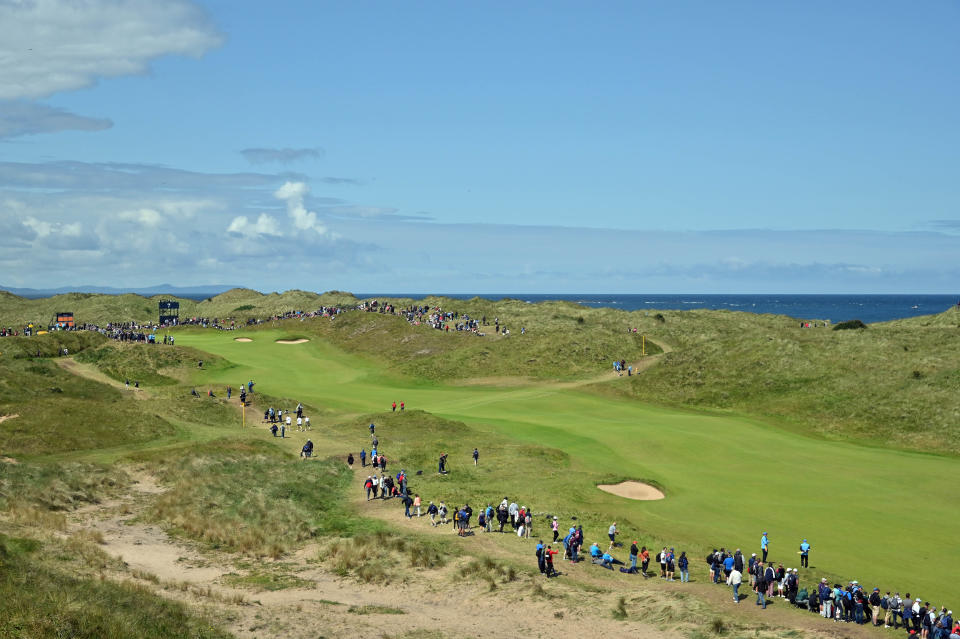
point(4, 418)
point(431, 600)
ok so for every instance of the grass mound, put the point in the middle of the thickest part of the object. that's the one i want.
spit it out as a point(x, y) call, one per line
point(63, 412)
point(560, 347)
point(250, 497)
point(41, 600)
point(57, 487)
point(896, 384)
point(144, 363)
point(376, 557)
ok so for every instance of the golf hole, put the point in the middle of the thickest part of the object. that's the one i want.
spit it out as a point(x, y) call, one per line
point(292, 341)
point(242, 339)
point(633, 490)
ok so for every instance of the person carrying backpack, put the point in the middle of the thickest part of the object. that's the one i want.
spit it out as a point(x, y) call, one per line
point(549, 553)
point(683, 564)
point(541, 563)
point(760, 585)
point(893, 611)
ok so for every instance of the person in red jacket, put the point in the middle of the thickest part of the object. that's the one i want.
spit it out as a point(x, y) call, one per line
point(548, 555)
point(394, 407)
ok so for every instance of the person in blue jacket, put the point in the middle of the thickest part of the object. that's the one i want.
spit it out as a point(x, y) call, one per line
point(804, 554)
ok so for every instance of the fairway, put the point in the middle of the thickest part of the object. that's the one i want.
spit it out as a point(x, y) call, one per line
point(871, 514)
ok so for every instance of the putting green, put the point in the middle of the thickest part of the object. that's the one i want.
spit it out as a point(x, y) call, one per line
point(877, 515)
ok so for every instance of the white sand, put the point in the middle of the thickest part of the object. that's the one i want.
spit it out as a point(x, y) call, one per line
point(292, 341)
point(242, 339)
point(632, 490)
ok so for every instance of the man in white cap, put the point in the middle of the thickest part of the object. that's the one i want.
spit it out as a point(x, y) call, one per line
point(825, 593)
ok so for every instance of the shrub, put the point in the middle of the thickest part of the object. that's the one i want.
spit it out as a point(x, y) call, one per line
point(848, 325)
point(620, 612)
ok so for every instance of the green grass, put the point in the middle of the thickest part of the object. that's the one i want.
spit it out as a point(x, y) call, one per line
point(727, 477)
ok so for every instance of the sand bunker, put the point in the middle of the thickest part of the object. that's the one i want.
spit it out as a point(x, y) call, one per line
point(242, 339)
point(632, 490)
point(292, 341)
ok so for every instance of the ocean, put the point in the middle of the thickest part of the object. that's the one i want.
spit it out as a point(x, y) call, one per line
point(836, 308)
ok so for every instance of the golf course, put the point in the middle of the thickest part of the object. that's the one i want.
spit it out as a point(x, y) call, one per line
point(131, 482)
point(727, 478)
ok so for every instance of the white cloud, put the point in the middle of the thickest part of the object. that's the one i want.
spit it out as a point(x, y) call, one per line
point(41, 228)
point(303, 220)
point(265, 225)
point(146, 217)
point(49, 46)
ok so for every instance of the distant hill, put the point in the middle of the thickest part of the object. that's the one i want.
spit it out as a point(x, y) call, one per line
point(192, 292)
point(101, 308)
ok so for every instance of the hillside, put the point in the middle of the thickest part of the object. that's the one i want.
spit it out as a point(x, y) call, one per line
point(100, 309)
point(892, 384)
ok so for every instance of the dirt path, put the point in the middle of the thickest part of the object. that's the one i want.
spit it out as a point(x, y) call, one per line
point(420, 602)
point(91, 372)
point(638, 367)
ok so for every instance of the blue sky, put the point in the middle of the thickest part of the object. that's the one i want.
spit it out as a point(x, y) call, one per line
point(482, 147)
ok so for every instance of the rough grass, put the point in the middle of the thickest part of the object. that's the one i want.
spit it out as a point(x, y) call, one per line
point(555, 346)
point(41, 600)
point(375, 610)
point(377, 557)
point(59, 411)
point(250, 497)
point(265, 580)
point(144, 362)
point(101, 309)
point(57, 488)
